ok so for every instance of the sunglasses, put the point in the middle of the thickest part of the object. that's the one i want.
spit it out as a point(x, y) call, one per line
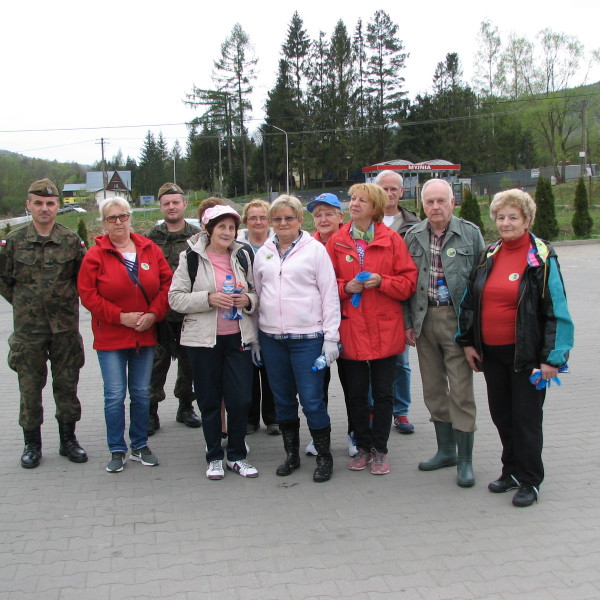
point(113, 218)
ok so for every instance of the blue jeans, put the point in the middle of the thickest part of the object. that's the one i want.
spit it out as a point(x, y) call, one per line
point(223, 373)
point(288, 365)
point(122, 369)
point(402, 385)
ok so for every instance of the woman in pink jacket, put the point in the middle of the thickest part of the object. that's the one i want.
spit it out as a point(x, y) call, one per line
point(298, 320)
point(372, 333)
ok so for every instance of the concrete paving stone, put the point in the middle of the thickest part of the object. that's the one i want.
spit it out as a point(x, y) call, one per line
point(200, 537)
point(47, 583)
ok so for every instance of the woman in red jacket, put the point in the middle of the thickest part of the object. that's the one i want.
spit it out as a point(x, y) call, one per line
point(372, 333)
point(123, 281)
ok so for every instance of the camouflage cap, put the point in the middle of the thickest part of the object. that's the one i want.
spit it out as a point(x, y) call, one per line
point(43, 187)
point(169, 188)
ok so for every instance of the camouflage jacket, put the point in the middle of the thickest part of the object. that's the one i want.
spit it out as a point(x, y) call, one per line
point(172, 244)
point(38, 276)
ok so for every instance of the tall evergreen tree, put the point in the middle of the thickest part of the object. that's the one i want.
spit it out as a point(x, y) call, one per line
point(234, 72)
point(386, 60)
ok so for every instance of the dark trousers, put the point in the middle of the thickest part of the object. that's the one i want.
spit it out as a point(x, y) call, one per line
point(516, 408)
point(262, 398)
point(380, 374)
point(223, 372)
point(162, 363)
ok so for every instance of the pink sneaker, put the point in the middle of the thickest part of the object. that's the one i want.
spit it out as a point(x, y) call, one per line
point(379, 466)
point(360, 461)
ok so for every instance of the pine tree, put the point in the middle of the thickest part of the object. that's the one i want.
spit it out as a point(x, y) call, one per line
point(470, 210)
point(582, 220)
point(546, 225)
point(233, 73)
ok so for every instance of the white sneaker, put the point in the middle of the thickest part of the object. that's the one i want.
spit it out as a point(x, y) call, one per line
point(352, 449)
point(215, 470)
point(243, 467)
point(311, 450)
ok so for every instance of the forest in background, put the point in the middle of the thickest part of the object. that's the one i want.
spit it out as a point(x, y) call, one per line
point(341, 103)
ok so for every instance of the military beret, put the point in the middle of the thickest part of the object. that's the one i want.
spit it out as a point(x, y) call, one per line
point(43, 187)
point(169, 188)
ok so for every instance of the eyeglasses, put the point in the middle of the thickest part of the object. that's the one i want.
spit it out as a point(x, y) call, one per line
point(254, 219)
point(280, 220)
point(113, 218)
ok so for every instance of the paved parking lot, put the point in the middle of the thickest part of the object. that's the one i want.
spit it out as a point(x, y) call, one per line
point(70, 531)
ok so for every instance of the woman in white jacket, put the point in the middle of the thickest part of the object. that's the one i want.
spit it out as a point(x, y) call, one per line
point(218, 346)
point(299, 318)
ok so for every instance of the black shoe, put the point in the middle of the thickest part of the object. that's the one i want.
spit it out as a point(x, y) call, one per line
point(504, 484)
point(525, 496)
point(69, 446)
point(188, 417)
point(32, 453)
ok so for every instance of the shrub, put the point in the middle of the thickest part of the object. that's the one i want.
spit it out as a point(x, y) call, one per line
point(83, 232)
point(582, 220)
point(470, 211)
point(546, 225)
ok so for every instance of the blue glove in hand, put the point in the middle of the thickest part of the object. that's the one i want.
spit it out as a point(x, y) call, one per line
point(536, 378)
point(361, 278)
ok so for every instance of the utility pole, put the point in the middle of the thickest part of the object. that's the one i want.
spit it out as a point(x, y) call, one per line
point(104, 176)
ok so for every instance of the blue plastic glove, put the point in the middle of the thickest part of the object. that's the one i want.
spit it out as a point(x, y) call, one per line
point(536, 378)
point(256, 355)
point(361, 278)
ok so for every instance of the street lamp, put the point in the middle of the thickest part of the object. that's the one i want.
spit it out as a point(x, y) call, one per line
point(287, 160)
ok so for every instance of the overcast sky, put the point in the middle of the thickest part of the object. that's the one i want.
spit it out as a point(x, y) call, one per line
point(87, 70)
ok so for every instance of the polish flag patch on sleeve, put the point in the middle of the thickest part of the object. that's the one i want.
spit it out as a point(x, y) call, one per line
point(2, 243)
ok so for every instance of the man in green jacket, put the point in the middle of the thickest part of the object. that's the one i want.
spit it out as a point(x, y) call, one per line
point(171, 236)
point(444, 248)
point(39, 264)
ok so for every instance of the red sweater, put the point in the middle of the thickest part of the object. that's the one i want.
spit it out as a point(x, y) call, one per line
point(106, 290)
point(501, 293)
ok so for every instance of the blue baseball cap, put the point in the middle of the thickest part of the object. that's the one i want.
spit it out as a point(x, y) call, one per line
point(330, 199)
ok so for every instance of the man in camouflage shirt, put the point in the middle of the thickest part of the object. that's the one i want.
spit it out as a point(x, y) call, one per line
point(171, 236)
point(39, 264)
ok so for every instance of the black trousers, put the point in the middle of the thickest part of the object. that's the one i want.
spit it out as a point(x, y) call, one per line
point(262, 398)
point(516, 408)
point(380, 374)
point(223, 373)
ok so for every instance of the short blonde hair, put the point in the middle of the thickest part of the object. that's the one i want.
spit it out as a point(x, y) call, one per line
point(256, 203)
point(517, 198)
point(376, 194)
point(111, 201)
point(285, 201)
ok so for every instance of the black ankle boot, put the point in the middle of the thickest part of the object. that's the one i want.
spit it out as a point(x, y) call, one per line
point(186, 414)
point(32, 453)
point(322, 441)
point(153, 420)
point(290, 432)
point(69, 446)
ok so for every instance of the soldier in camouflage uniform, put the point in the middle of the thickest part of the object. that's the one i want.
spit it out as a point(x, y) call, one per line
point(39, 264)
point(171, 236)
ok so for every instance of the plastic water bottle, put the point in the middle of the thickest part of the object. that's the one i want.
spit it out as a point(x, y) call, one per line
point(228, 288)
point(443, 293)
point(321, 362)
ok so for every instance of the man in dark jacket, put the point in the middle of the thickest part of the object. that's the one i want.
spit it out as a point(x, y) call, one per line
point(171, 236)
point(400, 220)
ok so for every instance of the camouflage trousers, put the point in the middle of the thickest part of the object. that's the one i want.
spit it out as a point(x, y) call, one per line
point(28, 356)
point(183, 384)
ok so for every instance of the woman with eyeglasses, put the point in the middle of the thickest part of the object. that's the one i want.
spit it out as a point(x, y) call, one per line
point(124, 281)
point(255, 218)
point(298, 319)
